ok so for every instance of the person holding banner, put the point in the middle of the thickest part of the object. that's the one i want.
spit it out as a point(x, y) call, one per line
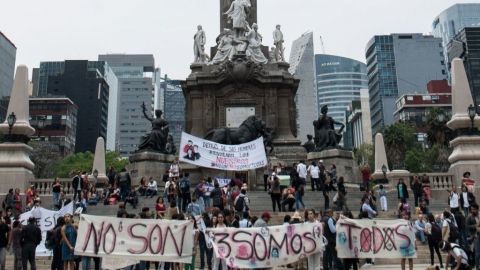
point(220, 224)
point(69, 238)
point(313, 260)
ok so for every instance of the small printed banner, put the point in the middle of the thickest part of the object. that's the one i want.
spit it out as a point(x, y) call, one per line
point(203, 153)
point(134, 240)
point(366, 238)
point(46, 220)
point(266, 247)
point(223, 182)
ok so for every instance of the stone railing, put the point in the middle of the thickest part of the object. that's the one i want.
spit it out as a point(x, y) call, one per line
point(438, 181)
point(44, 186)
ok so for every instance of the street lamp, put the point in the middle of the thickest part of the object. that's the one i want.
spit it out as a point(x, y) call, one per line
point(11, 119)
point(471, 113)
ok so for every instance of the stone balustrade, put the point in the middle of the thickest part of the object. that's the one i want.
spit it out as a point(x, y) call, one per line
point(438, 181)
point(44, 186)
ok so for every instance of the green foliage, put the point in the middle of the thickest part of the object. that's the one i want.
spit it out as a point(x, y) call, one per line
point(433, 159)
point(84, 162)
point(365, 154)
point(398, 139)
point(438, 132)
point(45, 155)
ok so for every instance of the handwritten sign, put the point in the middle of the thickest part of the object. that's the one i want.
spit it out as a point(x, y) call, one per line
point(203, 153)
point(367, 238)
point(135, 240)
point(267, 247)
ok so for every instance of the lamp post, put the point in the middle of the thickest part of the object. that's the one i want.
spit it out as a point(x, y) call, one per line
point(11, 120)
point(472, 113)
point(384, 171)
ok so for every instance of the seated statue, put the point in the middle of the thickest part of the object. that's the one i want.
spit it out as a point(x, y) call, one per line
point(326, 137)
point(157, 139)
point(254, 49)
point(226, 48)
point(309, 145)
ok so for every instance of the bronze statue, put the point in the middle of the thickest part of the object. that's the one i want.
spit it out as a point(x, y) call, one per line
point(249, 130)
point(158, 138)
point(309, 145)
point(326, 137)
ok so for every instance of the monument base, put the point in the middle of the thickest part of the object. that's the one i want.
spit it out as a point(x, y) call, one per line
point(342, 159)
point(149, 164)
point(465, 157)
point(286, 153)
point(15, 166)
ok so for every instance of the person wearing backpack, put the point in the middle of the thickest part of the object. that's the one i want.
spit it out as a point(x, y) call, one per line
point(55, 242)
point(185, 191)
point(473, 231)
point(242, 202)
point(449, 228)
point(217, 196)
point(31, 238)
point(434, 237)
point(458, 254)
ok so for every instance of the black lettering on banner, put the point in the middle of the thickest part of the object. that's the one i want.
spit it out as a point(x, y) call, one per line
point(221, 241)
point(250, 251)
point(97, 238)
point(114, 241)
point(279, 246)
point(160, 246)
point(178, 248)
point(300, 245)
point(389, 240)
point(309, 237)
point(47, 222)
point(134, 236)
point(265, 254)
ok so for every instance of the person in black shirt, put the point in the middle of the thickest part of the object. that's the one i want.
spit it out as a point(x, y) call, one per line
point(4, 236)
point(57, 263)
point(31, 237)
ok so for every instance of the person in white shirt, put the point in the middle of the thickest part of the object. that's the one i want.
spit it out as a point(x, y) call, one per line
point(245, 222)
point(314, 172)
point(366, 208)
point(456, 253)
point(420, 228)
point(151, 188)
point(453, 200)
point(302, 171)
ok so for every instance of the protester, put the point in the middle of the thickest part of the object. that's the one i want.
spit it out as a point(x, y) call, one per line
point(205, 251)
point(56, 189)
point(132, 198)
point(330, 258)
point(341, 200)
point(124, 183)
point(299, 186)
point(263, 221)
point(218, 261)
point(419, 227)
point(365, 170)
point(417, 189)
point(410, 260)
point(245, 221)
point(193, 209)
point(174, 171)
point(31, 238)
point(382, 194)
point(427, 191)
point(4, 238)
point(288, 198)
point(15, 243)
point(473, 230)
point(302, 172)
point(314, 172)
point(468, 182)
point(313, 260)
point(184, 186)
point(217, 197)
point(366, 211)
point(402, 190)
point(349, 262)
point(454, 200)
point(242, 202)
point(18, 203)
point(170, 190)
point(57, 263)
point(456, 254)
point(160, 207)
point(275, 193)
point(403, 208)
point(466, 199)
point(9, 202)
point(77, 185)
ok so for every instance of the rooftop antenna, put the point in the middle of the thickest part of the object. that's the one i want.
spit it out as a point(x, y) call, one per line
point(322, 46)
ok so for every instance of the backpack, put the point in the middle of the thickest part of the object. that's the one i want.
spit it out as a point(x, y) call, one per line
point(470, 256)
point(185, 186)
point(51, 239)
point(454, 233)
point(436, 234)
point(240, 203)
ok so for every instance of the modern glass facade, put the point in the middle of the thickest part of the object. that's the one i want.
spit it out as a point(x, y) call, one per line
point(135, 86)
point(400, 64)
point(449, 23)
point(174, 108)
point(339, 80)
point(8, 52)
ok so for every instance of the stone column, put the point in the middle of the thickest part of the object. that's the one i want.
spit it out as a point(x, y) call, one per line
point(15, 164)
point(380, 157)
point(466, 147)
point(99, 163)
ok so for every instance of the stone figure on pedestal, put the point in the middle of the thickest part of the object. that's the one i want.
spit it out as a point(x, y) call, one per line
point(157, 139)
point(226, 48)
point(278, 42)
point(199, 46)
point(238, 14)
point(254, 51)
point(326, 137)
point(309, 145)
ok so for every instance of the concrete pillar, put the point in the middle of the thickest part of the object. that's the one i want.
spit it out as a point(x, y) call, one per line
point(99, 163)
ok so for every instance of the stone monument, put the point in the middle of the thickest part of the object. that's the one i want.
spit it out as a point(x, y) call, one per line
point(382, 160)
point(99, 176)
point(15, 164)
point(239, 82)
point(466, 147)
point(326, 147)
point(155, 152)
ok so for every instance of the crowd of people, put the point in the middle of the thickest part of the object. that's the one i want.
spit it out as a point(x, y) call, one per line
point(455, 232)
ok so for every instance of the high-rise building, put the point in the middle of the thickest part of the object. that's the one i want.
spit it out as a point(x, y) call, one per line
point(358, 127)
point(466, 45)
point(82, 82)
point(113, 115)
point(8, 52)
point(135, 73)
point(452, 20)
point(302, 65)
point(174, 108)
point(339, 80)
point(58, 116)
point(400, 64)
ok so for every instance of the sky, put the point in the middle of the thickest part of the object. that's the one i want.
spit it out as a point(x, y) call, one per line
point(57, 30)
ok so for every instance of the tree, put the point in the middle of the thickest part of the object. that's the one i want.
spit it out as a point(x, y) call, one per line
point(398, 138)
point(45, 155)
point(84, 162)
point(438, 132)
point(365, 154)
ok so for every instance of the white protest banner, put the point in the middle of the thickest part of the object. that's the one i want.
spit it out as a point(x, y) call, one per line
point(366, 238)
point(203, 153)
point(223, 182)
point(46, 220)
point(267, 247)
point(135, 239)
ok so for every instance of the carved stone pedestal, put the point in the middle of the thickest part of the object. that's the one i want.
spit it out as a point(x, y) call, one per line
point(465, 157)
point(148, 164)
point(15, 166)
point(342, 159)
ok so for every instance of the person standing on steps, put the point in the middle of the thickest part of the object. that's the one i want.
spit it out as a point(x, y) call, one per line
point(31, 238)
point(314, 172)
point(416, 187)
